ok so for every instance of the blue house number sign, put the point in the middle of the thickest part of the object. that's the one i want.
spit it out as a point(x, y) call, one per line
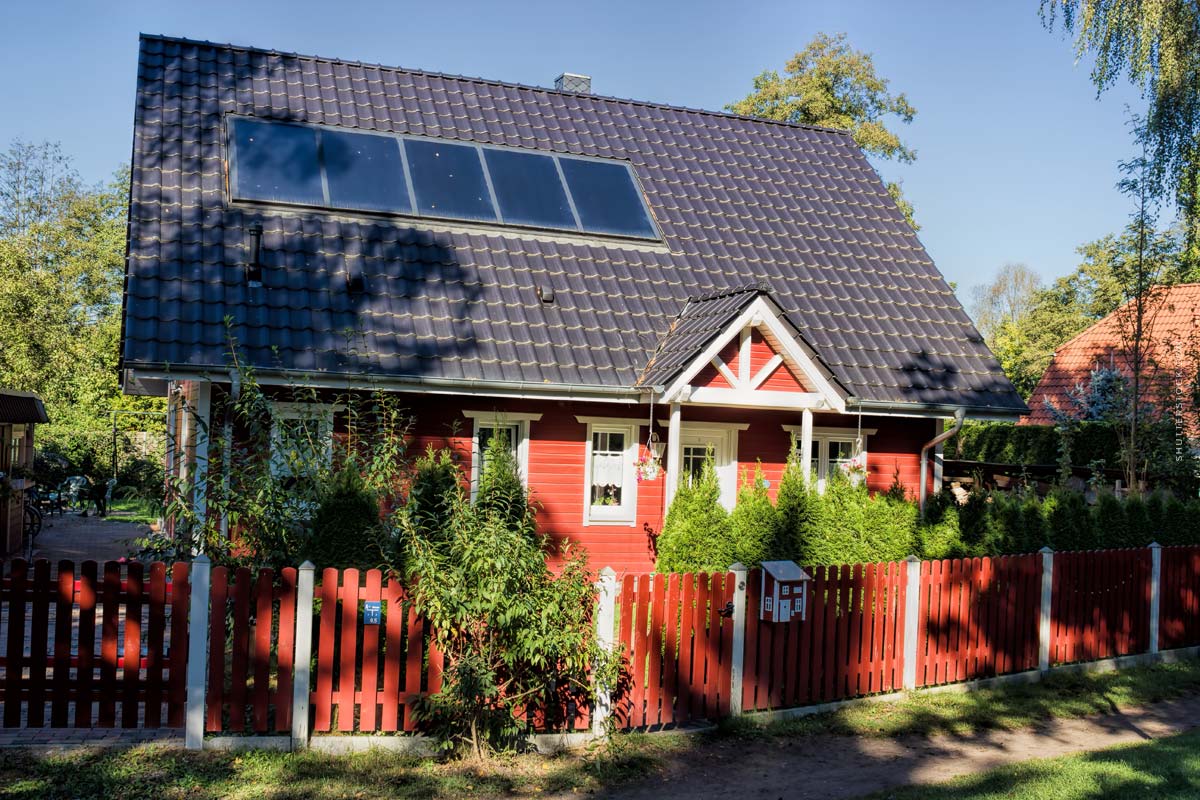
point(371, 613)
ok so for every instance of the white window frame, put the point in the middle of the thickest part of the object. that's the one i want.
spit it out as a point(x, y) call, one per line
point(821, 437)
point(724, 437)
point(490, 419)
point(321, 412)
point(626, 513)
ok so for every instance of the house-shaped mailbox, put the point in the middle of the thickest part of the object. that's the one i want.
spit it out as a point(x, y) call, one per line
point(784, 593)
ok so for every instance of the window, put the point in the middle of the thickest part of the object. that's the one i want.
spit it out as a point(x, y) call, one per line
point(831, 450)
point(329, 167)
point(610, 475)
point(301, 438)
point(514, 426)
point(697, 439)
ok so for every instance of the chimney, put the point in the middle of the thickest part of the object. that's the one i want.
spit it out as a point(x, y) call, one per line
point(570, 82)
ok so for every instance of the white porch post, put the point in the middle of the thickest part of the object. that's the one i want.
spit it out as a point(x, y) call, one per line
point(806, 438)
point(939, 426)
point(202, 421)
point(674, 452)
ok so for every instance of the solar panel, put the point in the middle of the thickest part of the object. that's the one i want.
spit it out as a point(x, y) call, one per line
point(448, 180)
point(277, 162)
point(328, 167)
point(364, 172)
point(528, 189)
point(606, 197)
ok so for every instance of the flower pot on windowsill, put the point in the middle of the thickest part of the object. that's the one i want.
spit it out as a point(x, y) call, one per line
point(156, 526)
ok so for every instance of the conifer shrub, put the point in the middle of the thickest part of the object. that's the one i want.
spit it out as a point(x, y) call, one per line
point(345, 529)
point(755, 523)
point(435, 490)
point(696, 535)
point(1109, 528)
point(797, 504)
point(501, 490)
point(1068, 521)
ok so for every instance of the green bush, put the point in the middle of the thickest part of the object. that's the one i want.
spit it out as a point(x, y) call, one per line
point(434, 493)
point(797, 505)
point(696, 534)
point(345, 528)
point(501, 490)
point(755, 523)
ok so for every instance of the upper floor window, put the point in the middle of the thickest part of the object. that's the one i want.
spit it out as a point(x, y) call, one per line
point(328, 167)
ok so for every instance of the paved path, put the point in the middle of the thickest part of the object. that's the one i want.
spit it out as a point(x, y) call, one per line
point(844, 766)
point(79, 539)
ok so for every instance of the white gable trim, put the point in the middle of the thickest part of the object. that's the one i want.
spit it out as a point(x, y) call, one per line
point(761, 313)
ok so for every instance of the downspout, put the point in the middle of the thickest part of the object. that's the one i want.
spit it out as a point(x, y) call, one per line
point(960, 416)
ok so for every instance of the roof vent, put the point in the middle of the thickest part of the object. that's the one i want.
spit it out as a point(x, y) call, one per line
point(545, 294)
point(571, 82)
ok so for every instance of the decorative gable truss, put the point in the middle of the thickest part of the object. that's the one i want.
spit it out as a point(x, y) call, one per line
point(757, 361)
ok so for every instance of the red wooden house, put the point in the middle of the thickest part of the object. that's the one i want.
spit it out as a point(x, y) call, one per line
point(584, 271)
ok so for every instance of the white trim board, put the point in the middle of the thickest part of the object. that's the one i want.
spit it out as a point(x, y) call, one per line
point(761, 313)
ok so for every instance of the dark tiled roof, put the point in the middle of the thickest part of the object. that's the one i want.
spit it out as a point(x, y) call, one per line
point(21, 408)
point(693, 329)
point(738, 200)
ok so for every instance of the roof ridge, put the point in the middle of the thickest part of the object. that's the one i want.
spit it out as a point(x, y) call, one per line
point(1167, 289)
point(492, 82)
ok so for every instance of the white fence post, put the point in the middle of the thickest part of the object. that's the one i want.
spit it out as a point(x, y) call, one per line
point(1155, 593)
point(738, 658)
point(606, 619)
point(912, 612)
point(1044, 612)
point(197, 667)
point(302, 678)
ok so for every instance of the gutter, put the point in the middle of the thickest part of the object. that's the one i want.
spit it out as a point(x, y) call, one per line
point(960, 416)
point(937, 409)
point(336, 381)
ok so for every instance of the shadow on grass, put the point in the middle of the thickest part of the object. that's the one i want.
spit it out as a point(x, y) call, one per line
point(1166, 769)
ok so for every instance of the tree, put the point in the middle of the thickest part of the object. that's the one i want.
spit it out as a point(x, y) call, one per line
point(1156, 45)
point(831, 85)
point(1005, 300)
point(62, 262)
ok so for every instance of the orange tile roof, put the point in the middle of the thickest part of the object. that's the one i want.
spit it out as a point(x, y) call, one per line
point(1174, 333)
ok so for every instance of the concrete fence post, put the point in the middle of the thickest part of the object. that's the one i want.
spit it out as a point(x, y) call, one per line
point(912, 613)
point(1155, 593)
point(738, 658)
point(302, 676)
point(1044, 611)
point(606, 620)
point(197, 667)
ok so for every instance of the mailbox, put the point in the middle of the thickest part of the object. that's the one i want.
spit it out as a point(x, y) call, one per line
point(784, 594)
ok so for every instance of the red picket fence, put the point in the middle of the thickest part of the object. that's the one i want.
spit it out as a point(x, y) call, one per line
point(1100, 605)
point(977, 618)
point(1179, 593)
point(252, 626)
point(850, 642)
point(679, 646)
point(369, 676)
point(99, 648)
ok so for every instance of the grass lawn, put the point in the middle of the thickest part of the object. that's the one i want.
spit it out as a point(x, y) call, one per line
point(133, 509)
point(1165, 769)
point(156, 773)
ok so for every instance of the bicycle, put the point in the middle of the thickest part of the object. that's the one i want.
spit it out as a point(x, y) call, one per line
point(33, 525)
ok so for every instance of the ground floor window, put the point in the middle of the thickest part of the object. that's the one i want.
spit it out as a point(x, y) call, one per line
point(610, 472)
point(697, 440)
point(513, 426)
point(834, 449)
point(301, 438)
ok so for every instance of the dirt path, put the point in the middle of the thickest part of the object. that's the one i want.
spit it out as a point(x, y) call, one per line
point(78, 538)
point(844, 767)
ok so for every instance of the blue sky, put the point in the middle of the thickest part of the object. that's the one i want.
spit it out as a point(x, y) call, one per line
point(1016, 155)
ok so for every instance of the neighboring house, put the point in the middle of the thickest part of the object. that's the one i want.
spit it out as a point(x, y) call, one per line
point(19, 413)
point(582, 271)
point(1172, 342)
